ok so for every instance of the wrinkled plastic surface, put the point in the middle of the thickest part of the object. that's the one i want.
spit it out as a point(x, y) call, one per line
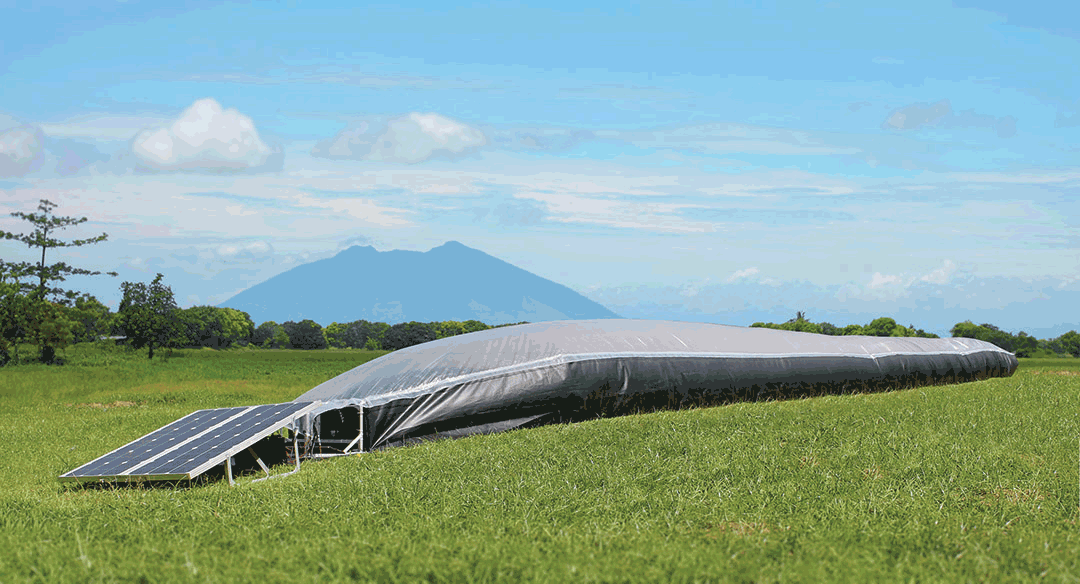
point(524, 375)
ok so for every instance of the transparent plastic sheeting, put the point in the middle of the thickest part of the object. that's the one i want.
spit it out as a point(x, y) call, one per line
point(524, 375)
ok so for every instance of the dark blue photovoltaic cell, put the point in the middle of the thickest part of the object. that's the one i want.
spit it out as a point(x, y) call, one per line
point(123, 459)
point(219, 442)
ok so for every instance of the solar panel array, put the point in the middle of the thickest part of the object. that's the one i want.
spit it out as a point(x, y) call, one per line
point(191, 445)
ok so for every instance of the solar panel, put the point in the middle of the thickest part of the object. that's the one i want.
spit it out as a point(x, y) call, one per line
point(191, 445)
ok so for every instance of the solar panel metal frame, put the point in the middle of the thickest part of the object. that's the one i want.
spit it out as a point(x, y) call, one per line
point(164, 430)
point(128, 476)
point(237, 447)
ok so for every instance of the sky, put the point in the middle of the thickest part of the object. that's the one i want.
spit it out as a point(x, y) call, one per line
point(684, 160)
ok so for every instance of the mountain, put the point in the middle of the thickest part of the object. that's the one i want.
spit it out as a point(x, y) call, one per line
point(449, 282)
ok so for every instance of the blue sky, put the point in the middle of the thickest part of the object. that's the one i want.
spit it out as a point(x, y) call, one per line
point(676, 159)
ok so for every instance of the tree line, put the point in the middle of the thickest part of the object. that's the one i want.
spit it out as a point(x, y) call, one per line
point(1022, 344)
point(49, 317)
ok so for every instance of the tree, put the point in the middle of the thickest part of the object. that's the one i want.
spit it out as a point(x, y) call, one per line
point(218, 328)
point(335, 335)
point(92, 319)
point(828, 328)
point(880, 327)
point(449, 328)
point(49, 327)
point(1022, 344)
point(306, 334)
point(472, 326)
point(357, 334)
point(148, 315)
point(264, 333)
point(1070, 343)
point(407, 334)
point(14, 310)
point(45, 224)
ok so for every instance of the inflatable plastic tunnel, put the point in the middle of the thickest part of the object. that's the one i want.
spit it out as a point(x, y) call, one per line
point(526, 375)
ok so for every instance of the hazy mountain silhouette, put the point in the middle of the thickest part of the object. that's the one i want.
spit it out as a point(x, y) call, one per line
point(449, 282)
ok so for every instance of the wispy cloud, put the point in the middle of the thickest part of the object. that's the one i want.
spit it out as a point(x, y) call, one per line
point(366, 211)
point(941, 114)
point(103, 127)
point(917, 115)
point(21, 150)
point(645, 216)
point(409, 139)
point(742, 274)
point(727, 138)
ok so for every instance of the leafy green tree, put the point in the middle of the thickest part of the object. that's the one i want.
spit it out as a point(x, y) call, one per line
point(217, 328)
point(358, 333)
point(799, 323)
point(236, 326)
point(854, 329)
point(1022, 344)
point(902, 331)
point(448, 328)
point(407, 334)
point(1070, 343)
point(306, 334)
point(264, 334)
point(335, 335)
point(149, 316)
point(92, 319)
point(1026, 345)
point(827, 328)
point(880, 327)
point(472, 326)
point(45, 225)
point(270, 335)
point(49, 327)
point(14, 311)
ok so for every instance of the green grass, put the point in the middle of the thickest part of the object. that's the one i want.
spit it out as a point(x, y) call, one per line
point(971, 482)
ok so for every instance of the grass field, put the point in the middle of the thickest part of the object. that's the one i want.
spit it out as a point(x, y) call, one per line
point(971, 482)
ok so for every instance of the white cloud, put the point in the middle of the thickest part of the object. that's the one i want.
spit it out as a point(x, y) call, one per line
point(941, 275)
point(653, 217)
point(250, 251)
point(879, 280)
point(204, 137)
point(740, 274)
point(21, 150)
point(366, 210)
point(409, 139)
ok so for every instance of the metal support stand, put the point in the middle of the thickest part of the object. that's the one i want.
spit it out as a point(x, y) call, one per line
point(259, 460)
point(296, 453)
point(353, 443)
point(228, 470)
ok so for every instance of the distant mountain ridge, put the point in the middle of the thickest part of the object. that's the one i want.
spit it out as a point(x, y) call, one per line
point(448, 282)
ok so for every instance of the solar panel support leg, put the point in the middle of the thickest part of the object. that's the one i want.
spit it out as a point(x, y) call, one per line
point(228, 470)
point(259, 460)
